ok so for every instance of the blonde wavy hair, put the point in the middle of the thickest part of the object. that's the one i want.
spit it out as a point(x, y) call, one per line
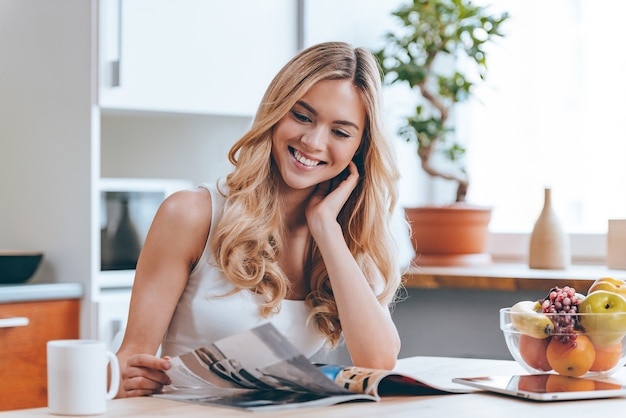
point(248, 239)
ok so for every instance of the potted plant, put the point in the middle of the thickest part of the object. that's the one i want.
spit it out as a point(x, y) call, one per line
point(435, 33)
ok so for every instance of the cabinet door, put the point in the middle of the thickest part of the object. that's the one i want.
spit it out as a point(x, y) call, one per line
point(197, 56)
point(25, 328)
point(360, 23)
point(113, 306)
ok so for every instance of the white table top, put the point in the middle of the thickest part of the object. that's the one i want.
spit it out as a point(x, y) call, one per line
point(436, 370)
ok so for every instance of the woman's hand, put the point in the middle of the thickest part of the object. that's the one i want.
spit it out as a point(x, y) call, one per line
point(328, 199)
point(143, 374)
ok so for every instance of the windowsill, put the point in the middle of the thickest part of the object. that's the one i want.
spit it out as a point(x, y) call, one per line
point(507, 277)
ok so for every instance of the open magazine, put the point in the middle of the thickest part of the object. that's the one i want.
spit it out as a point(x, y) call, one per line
point(260, 369)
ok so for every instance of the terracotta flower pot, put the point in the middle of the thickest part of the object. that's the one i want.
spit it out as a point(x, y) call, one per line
point(454, 235)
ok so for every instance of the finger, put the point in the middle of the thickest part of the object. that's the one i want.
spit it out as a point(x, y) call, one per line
point(142, 383)
point(156, 376)
point(148, 367)
point(150, 362)
point(323, 189)
point(132, 391)
point(347, 185)
point(354, 172)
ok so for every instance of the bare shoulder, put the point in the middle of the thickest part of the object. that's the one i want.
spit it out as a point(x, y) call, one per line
point(186, 216)
point(191, 203)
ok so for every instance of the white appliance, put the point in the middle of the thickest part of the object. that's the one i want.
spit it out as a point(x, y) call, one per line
point(127, 208)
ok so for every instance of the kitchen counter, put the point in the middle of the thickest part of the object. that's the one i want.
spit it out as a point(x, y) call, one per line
point(36, 292)
point(507, 277)
point(498, 276)
point(436, 370)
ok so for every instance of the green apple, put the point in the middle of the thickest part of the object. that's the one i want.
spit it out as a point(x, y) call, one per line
point(609, 284)
point(608, 326)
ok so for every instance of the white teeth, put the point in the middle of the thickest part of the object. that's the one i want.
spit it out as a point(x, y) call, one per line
point(305, 161)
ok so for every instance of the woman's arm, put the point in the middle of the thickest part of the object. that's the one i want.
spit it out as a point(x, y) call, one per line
point(368, 330)
point(173, 245)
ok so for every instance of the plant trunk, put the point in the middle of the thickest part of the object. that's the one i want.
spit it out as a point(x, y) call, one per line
point(424, 153)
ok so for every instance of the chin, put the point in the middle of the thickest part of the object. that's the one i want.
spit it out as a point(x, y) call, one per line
point(297, 184)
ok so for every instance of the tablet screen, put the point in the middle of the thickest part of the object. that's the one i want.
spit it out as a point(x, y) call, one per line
point(546, 387)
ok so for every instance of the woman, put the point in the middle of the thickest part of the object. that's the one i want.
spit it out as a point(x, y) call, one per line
point(298, 234)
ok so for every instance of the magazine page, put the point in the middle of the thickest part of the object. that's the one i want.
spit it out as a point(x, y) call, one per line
point(254, 369)
point(438, 371)
point(260, 358)
point(380, 382)
point(264, 400)
point(260, 369)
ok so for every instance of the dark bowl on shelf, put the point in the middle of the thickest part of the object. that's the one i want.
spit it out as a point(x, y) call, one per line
point(18, 266)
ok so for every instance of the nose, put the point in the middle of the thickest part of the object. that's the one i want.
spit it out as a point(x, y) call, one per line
point(314, 138)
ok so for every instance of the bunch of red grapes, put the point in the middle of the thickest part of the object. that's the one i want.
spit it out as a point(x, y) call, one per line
point(563, 303)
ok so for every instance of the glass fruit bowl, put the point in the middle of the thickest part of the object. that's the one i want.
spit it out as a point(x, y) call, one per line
point(580, 344)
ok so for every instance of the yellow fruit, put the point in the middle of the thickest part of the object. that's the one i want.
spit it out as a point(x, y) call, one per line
point(527, 319)
point(609, 284)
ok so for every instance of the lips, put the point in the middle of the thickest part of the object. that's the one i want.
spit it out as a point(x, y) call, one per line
point(304, 160)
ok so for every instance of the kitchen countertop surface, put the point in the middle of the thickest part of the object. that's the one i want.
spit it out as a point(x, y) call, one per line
point(506, 277)
point(435, 370)
point(29, 292)
point(498, 276)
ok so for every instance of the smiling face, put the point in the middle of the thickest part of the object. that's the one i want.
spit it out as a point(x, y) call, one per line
point(316, 140)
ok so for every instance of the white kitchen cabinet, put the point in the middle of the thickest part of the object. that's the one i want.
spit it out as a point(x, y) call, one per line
point(194, 56)
point(113, 306)
point(360, 23)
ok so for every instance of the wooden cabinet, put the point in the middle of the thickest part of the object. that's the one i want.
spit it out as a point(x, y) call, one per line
point(25, 328)
point(194, 56)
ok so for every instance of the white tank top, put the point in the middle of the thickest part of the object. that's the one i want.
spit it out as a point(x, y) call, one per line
point(203, 316)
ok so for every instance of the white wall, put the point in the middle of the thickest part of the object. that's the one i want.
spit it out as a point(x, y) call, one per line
point(178, 146)
point(45, 133)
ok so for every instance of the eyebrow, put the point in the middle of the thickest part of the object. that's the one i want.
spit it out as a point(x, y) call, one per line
point(314, 112)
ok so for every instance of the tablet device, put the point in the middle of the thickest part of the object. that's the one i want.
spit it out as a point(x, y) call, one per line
point(545, 387)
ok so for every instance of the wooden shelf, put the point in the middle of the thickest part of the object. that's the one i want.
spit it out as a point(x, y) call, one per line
point(507, 277)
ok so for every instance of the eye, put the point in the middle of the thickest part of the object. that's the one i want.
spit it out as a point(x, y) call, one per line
point(301, 116)
point(341, 133)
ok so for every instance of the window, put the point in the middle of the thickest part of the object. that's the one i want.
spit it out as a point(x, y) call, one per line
point(550, 114)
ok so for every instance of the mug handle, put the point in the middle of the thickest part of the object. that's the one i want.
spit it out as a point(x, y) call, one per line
point(115, 375)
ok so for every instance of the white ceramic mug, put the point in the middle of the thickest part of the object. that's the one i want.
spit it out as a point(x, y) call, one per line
point(77, 377)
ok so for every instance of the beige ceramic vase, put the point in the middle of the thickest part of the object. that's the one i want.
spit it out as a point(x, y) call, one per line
point(549, 244)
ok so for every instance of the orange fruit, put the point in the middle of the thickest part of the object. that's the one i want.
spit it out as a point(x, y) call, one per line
point(607, 357)
point(533, 351)
point(573, 358)
point(558, 383)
